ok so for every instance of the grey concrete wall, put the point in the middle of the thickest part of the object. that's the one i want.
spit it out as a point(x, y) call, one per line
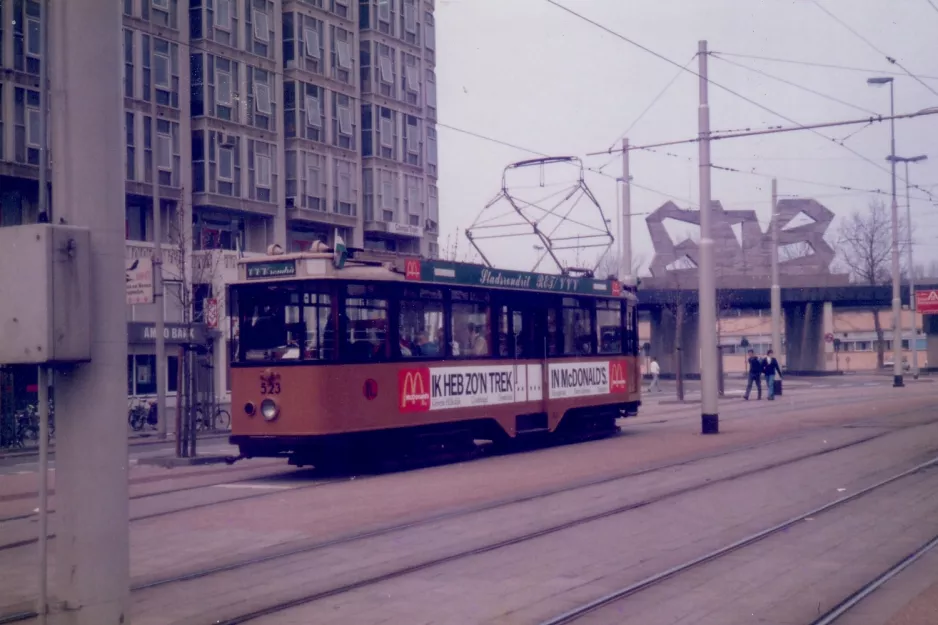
point(664, 339)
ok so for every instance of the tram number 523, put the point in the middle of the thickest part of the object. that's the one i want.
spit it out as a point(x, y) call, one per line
point(270, 384)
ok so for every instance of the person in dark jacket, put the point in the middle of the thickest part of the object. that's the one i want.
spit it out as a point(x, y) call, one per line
point(755, 375)
point(771, 369)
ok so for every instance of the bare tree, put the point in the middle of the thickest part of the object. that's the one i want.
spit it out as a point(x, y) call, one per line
point(200, 277)
point(608, 265)
point(865, 242)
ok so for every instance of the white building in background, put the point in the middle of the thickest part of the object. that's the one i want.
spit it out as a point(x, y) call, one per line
point(276, 122)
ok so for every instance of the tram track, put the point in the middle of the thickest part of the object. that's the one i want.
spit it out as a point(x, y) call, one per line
point(843, 608)
point(462, 554)
point(310, 548)
point(578, 612)
point(198, 506)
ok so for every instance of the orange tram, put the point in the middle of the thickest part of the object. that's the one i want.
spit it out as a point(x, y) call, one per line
point(338, 356)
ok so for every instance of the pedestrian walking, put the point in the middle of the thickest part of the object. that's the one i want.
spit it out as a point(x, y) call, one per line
point(755, 375)
point(655, 370)
point(771, 369)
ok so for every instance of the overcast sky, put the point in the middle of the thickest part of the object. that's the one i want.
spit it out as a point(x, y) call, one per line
point(527, 73)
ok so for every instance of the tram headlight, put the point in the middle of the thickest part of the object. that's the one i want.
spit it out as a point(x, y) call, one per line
point(269, 409)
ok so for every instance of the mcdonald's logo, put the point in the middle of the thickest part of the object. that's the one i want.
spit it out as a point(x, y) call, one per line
point(412, 269)
point(618, 382)
point(616, 288)
point(414, 386)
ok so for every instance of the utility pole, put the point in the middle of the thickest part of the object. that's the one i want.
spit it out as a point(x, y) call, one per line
point(91, 489)
point(625, 247)
point(776, 287)
point(896, 292)
point(158, 296)
point(707, 298)
point(908, 217)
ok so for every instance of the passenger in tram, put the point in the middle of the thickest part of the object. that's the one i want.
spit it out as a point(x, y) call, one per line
point(424, 347)
point(478, 346)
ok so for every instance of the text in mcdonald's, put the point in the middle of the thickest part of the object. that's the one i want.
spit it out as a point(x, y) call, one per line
point(414, 387)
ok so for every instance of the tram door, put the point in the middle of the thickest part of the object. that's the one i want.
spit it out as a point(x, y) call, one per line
point(524, 332)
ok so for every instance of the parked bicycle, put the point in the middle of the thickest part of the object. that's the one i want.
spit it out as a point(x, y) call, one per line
point(142, 415)
point(204, 421)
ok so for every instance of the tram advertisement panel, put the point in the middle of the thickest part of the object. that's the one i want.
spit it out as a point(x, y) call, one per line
point(438, 388)
point(581, 379)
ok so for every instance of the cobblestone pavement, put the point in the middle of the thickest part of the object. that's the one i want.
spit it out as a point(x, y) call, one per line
point(535, 577)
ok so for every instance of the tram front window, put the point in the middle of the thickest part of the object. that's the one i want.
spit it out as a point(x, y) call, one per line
point(284, 323)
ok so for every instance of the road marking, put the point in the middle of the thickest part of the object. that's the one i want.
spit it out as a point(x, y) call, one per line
point(24, 472)
point(255, 486)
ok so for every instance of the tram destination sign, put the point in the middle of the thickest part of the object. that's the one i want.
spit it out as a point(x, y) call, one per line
point(479, 276)
point(271, 269)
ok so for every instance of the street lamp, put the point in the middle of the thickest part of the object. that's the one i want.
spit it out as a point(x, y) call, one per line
point(908, 225)
point(896, 297)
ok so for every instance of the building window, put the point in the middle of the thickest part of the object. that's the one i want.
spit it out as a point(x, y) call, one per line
point(313, 112)
point(261, 26)
point(410, 82)
point(262, 98)
point(387, 71)
point(341, 8)
point(262, 161)
point(387, 137)
point(430, 94)
point(343, 131)
point(432, 157)
point(161, 63)
point(433, 208)
point(226, 163)
point(413, 199)
point(128, 63)
point(345, 191)
point(223, 89)
point(412, 144)
point(312, 44)
point(388, 195)
point(129, 144)
point(223, 15)
point(429, 30)
point(315, 183)
point(409, 22)
point(342, 63)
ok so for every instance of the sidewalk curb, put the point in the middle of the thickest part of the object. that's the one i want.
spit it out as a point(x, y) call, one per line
point(172, 462)
point(135, 441)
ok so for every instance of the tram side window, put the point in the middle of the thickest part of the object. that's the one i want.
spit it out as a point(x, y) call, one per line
point(631, 330)
point(421, 323)
point(366, 324)
point(471, 325)
point(553, 331)
point(577, 327)
point(609, 326)
point(319, 343)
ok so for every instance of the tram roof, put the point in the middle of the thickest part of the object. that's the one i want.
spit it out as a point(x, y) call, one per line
point(364, 265)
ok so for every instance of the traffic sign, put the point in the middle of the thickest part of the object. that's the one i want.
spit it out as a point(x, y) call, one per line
point(211, 312)
point(926, 302)
point(829, 338)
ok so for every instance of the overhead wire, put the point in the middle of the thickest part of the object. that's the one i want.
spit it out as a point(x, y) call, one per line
point(846, 68)
point(680, 72)
point(632, 42)
point(794, 84)
point(888, 58)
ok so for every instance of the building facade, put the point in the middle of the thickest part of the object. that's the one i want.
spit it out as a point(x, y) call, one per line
point(262, 121)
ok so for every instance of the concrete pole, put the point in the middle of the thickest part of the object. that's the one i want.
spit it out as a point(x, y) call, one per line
point(42, 382)
point(908, 224)
point(92, 551)
point(158, 297)
point(42, 375)
point(776, 287)
point(707, 336)
point(896, 278)
point(625, 247)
